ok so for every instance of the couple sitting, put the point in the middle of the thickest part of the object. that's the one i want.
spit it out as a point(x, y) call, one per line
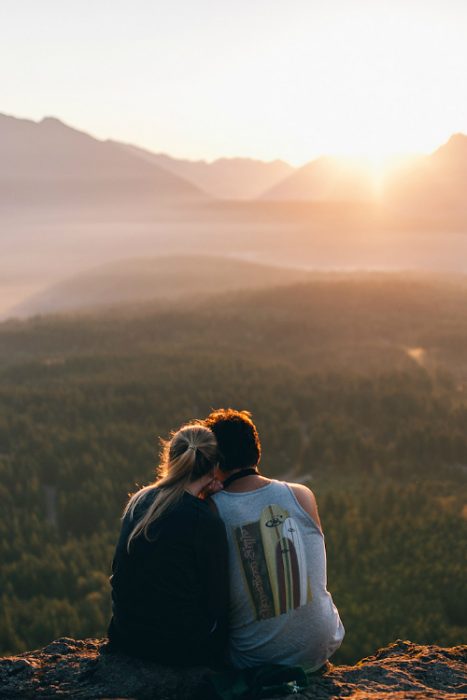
point(217, 564)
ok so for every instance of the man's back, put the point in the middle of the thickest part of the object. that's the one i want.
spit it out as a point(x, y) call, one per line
point(280, 609)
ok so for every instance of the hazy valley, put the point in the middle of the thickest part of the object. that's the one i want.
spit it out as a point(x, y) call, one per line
point(69, 202)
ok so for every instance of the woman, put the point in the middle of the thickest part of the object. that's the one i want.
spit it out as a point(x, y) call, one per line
point(169, 573)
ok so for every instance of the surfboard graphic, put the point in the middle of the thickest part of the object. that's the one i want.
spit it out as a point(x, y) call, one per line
point(281, 559)
point(287, 575)
point(282, 586)
point(272, 558)
point(290, 531)
point(256, 574)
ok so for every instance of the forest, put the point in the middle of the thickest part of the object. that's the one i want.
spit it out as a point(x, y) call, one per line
point(358, 386)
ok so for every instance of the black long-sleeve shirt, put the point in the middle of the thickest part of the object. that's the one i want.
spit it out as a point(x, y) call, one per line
point(170, 593)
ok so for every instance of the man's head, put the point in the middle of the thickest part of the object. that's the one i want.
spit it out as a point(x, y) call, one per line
point(237, 438)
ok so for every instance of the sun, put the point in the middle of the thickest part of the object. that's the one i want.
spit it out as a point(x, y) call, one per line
point(375, 170)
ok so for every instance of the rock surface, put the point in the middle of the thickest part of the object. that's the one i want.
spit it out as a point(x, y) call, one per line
point(67, 668)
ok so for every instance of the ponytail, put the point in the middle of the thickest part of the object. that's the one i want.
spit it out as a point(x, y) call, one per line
point(189, 454)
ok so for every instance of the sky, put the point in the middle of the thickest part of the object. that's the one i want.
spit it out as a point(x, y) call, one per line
point(258, 78)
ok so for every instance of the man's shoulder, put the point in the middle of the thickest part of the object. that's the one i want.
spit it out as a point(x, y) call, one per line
point(306, 499)
point(299, 488)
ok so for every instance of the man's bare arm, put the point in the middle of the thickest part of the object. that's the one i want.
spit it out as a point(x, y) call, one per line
point(307, 500)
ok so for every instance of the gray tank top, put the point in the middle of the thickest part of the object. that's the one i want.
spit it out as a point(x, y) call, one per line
point(280, 609)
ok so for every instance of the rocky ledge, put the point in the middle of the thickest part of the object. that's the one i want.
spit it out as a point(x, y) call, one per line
point(67, 668)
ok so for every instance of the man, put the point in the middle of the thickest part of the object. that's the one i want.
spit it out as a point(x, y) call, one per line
point(280, 609)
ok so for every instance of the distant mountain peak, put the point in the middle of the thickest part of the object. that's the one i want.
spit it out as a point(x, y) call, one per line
point(458, 138)
point(325, 179)
point(70, 166)
point(455, 149)
point(53, 121)
point(33, 123)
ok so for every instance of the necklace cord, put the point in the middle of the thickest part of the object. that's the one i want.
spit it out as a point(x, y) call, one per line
point(239, 475)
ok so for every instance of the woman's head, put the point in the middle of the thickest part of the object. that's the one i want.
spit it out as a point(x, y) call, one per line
point(190, 455)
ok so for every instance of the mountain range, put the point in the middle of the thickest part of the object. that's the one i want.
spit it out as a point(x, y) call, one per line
point(48, 161)
point(224, 178)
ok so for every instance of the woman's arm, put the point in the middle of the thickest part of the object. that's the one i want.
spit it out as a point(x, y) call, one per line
point(213, 570)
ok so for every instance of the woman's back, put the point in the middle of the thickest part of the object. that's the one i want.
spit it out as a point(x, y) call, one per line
point(170, 590)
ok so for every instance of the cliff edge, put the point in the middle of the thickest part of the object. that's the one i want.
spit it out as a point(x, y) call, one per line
point(69, 668)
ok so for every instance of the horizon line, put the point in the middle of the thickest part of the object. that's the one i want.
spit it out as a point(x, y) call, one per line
point(207, 161)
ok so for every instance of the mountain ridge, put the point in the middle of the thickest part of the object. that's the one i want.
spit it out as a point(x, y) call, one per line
point(52, 159)
point(223, 178)
point(325, 179)
point(152, 279)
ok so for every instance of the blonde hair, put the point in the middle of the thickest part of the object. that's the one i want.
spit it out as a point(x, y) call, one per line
point(189, 454)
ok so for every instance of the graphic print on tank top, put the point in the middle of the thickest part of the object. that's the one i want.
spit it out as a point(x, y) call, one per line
point(272, 556)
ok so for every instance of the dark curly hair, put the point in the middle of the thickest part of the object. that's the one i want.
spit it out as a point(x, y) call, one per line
point(237, 438)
